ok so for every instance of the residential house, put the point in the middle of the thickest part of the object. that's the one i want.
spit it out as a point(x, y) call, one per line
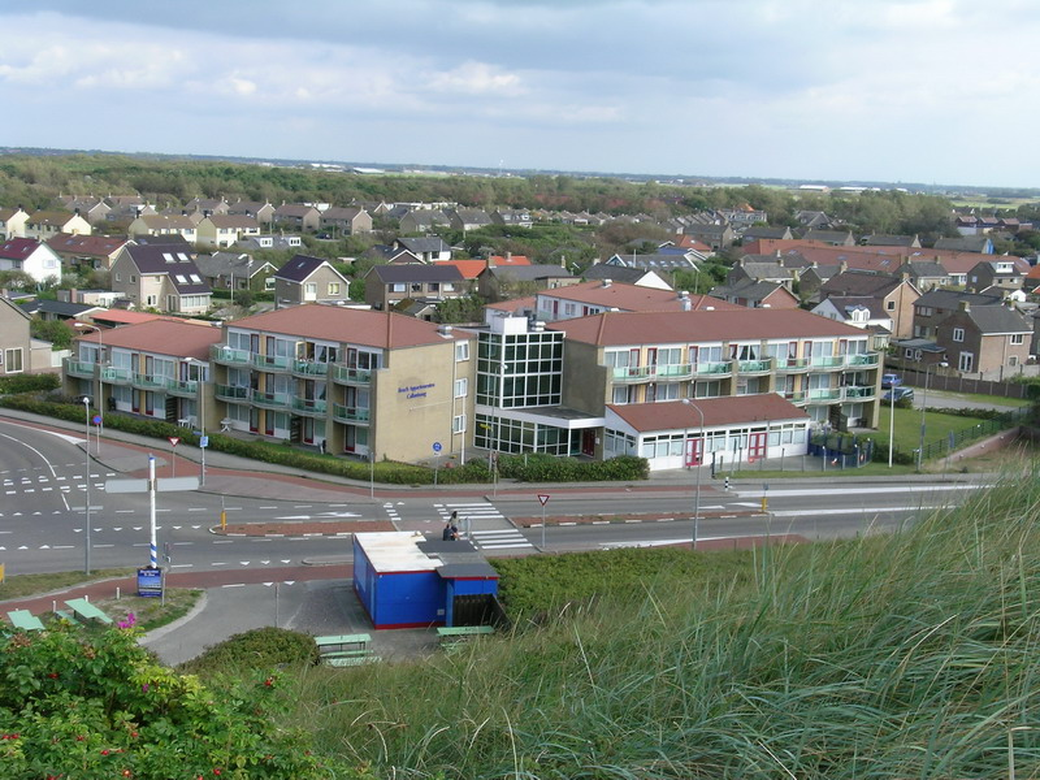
point(12, 223)
point(261, 211)
point(93, 210)
point(762, 231)
point(497, 282)
point(744, 216)
point(935, 305)
point(467, 219)
point(164, 226)
point(640, 277)
point(661, 262)
point(896, 294)
point(384, 253)
point(980, 244)
point(832, 237)
point(817, 220)
point(864, 313)
point(589, 298)
point(375, 385)
point(127, 208)
point(757, 294)
point(762, 268)
point(269, 241)
point(226, 230)
point(430, 249)
point(347, 221)
point(31, 257)
point(512, 218)
point(158, 369)
point(206, 207)
point(55, 310)
point(162, 277)
point(925, 274)
point(307, 279)
point(298, 216)
point(882, 239)
point(93, 251)
point(236, 271)
point(988, 340)
point(716, 236)
point(15, 342)
point(1003, 272)
point(386, 286)
point(416, 221)
point(43, 225)
point(1032, 279)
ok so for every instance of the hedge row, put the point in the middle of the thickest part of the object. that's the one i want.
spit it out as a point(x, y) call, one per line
point(533, 468)
point(29, 383)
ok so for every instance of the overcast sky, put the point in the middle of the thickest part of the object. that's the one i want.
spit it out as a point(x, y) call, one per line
point(933, 91)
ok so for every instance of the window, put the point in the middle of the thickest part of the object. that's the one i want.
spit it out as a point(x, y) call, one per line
point(13, 361)
point(1017, 338)
point(461, 387)
point(398, 287)
point(417, 287)
point(310, 289)
point(333, 288)
point(133, 279)
point(890, 305)
point(958, 334)
point(119, 277)
point(151, 300)
point(458, 423)
point(462, 350)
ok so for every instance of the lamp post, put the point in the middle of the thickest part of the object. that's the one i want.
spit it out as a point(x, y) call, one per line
point(924, 406)
point(86, 409)
point(891, 419)
point(697, 497)
point(101, 361)
point(201, 396)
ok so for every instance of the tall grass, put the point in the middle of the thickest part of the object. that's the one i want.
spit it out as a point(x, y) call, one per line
point(906, 655)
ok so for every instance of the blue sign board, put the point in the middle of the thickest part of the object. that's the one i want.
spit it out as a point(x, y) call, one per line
point(203, 441)
point(97, 419)
point(149, 582)
point(437, 446)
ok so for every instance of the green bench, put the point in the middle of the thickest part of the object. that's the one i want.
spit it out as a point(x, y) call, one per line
point(341, 641)
point(462, 632)
point(60, 613)
point(87, 611)
point(25, 620)
point(357, 660)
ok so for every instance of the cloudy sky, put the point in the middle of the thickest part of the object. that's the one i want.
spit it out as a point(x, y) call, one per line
point(933, 91)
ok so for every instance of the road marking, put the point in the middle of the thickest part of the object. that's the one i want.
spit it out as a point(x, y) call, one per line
point(223, 541)
point(63, 547)
point(267, 507)
point(182, 544)
point(498, 540)
point(219, 563)
point(181, 565)
point(795, 493)
point(868, 510)
point(125, 511)
point(233, 584)
point(99, 546)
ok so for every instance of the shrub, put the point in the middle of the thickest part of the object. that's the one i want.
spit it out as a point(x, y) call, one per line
point(541, 467)
point(260, 649)
point(29, 383)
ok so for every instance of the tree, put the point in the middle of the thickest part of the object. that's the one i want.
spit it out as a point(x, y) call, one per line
point(56, 332)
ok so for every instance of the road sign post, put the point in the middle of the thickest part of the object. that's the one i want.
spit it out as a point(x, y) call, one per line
point(543, 498)
point(436, 460)
point(174, 441)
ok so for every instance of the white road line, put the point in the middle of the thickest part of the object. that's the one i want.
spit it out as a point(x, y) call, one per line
point(869, 510)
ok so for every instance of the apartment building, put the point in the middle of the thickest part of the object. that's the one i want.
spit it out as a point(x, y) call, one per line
point(359, 382)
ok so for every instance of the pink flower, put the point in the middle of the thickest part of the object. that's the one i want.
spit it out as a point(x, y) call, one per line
point(131, 619)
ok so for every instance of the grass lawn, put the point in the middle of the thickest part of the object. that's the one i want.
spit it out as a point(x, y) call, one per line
point(24, 585)
point(907, 428)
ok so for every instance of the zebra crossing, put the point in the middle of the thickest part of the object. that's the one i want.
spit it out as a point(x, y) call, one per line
point(22, 483)
point(484, 525)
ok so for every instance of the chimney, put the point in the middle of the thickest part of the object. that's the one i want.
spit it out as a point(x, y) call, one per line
point(606, 282)
point(509, 256)
point(965, 306)
point(490, 261)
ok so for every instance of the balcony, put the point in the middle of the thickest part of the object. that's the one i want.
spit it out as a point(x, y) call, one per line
point(628, 376)
point(187, 389)
point(825, 394)
point(714, 369)
point(310, 406)
point(791, 365)
point(754, 366)
point(834, 363)
point(351, 376)
point(675, 371)
point(270, 362)
point(232, 393)
point(349, 414)
point(148, 381)
point(114, 375)
point(793, 397)
point(310, 368)
point(859, 393)
point(79, 368)
point(229, 356)
point(271, 400)
point(863, 360)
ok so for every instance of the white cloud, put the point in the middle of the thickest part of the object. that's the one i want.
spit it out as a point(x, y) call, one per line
point(477, 78)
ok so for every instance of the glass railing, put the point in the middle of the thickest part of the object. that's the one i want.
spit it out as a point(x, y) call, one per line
point(793, 397)
point(232, 392)
point(182, 387)
point(349, 413)
point(828, 362)
point(148, 381)
point(275, 400)
point(791, 364)
point(632, 374)
point(309, 405)
point(351, 376)
point(79, 368)
point(270, 362)
point(675, 370)
point(116, 375)
point(868, 359)
point(310, 368)
point(754, 366)
point(859, 392)
point(825, 394)
point(719, 367)
point(223, 354)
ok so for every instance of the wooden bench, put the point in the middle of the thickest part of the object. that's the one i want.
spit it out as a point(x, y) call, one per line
point(342, 642)
point(25, 620)
point(87, 611)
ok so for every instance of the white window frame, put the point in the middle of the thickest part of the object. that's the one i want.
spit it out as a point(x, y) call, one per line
point(461, 351)
point(458, 423)
point(461, 387)
point(958, 335)
point(1017, 339)
point(19, 360)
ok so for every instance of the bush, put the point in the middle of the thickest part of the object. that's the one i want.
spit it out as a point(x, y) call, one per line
point(540, 467)
point(29, 383)
point(260, 649)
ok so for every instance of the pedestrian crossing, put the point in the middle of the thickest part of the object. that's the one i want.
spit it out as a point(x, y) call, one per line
point(500, 540)
point(484, 525)
point(48, 483)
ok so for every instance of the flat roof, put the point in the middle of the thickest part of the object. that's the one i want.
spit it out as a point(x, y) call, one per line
point(396, 551)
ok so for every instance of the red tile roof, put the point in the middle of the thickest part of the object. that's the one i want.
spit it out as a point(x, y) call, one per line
point(630, 297)
point(90, 246)
point(345, 325)
point(470, 269)
point(676, 415)
point(162, 337)
point(685, 327)
point(123, 316)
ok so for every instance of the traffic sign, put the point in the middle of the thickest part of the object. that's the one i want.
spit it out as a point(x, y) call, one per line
point(437, 446)
point(96, 419)
point(203, 441)
point(174, 440)
point(543, 498)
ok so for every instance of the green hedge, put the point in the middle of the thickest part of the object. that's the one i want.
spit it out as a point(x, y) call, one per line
point(29, 383)
point(540, 467)
point(261, 649)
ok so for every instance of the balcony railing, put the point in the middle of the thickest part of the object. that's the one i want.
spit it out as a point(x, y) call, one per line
point(310, 368)
point(868, 359)
point(351, 376)
point(836, 361)
point(116, 376)
point(343, 413)
point(233, 393)
point(80, 368)
point(793, 397)
point(790, 365)
point(229, 356)
point(309, 405)
point(187, 388)
point(717, 368)
point(148, 381)
point(825, 394)
point(859, 393)
point(271, 400)
point(754, 366)
point(270, 362)
point(625, 375)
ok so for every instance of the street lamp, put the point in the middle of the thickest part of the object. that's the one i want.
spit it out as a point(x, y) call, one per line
point(697, 497)
point(924, 406)
point(86, 409)
point(100, 361)
point(200, 392)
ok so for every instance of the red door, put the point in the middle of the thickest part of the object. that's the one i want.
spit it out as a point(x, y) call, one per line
point(694, 452)
point(756, 446)
point(588, 442)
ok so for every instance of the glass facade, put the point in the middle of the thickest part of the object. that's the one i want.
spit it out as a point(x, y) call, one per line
point(521, 370)
point(502, 435)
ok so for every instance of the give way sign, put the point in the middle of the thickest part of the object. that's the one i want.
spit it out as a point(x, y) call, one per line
point(174, 440)
point(543, 498)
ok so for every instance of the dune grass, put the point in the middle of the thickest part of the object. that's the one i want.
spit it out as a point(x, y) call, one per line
point(904, 655)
